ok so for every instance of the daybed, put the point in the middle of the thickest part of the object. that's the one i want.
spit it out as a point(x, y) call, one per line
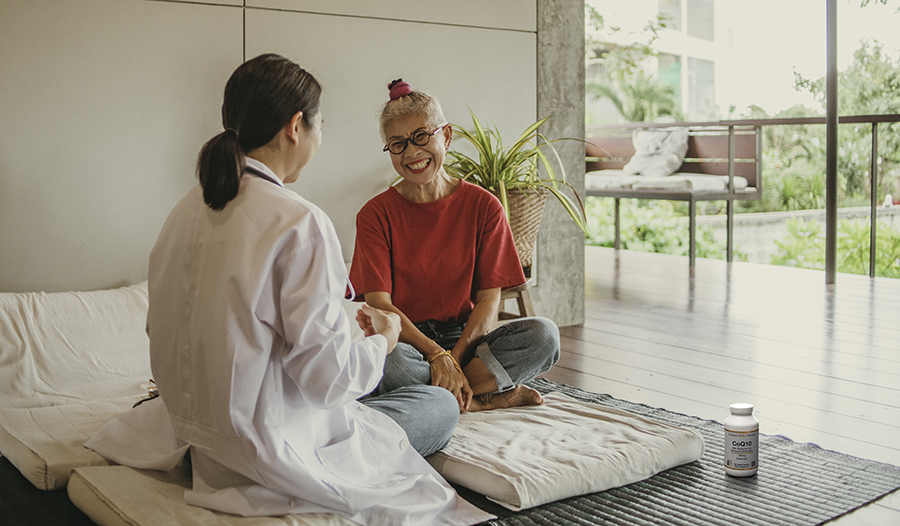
point(692, 162)
point(73, 362)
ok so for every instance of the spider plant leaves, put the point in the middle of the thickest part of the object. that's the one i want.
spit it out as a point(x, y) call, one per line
point(500, 169)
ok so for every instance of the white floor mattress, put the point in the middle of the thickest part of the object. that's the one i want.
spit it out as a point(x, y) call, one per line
point(46, 443)
point(527, 456)
point(520, 458)
point(69, 362)
point(123, 496)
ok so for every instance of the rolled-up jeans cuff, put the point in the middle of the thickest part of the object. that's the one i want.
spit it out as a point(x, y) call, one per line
point(504, 382)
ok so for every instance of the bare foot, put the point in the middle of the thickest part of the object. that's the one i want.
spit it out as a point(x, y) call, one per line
point(515, 397)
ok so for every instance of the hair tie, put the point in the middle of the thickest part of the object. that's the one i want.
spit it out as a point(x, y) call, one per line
point(399, 89)
point(232, 130)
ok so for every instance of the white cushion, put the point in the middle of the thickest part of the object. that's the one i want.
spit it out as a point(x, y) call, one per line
point(690, 182)
point(679, 181)
point(69, 361)
point(46, 443)
point(123, 496)
point(658, 153)
point(65, 347)
point(528, 456)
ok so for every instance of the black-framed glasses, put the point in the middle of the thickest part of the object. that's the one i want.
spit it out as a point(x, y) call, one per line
point(419, 138)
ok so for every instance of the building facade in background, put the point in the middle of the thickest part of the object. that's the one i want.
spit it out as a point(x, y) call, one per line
point(692, 53)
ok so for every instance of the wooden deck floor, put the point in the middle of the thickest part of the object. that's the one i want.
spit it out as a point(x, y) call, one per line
point(820, 364)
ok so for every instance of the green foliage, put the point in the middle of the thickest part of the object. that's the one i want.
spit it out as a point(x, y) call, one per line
point(637, 96)
point(869, 86)
point(639, 99)
point(499, 169)
point(793, 164)
point(622, 60)
point(804, 247)
point(793, 157)
point(649, 226)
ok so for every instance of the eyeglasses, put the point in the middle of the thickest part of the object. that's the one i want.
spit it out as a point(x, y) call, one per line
point(419, 138)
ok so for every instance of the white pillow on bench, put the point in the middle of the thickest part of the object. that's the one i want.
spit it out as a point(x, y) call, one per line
point(657, 153)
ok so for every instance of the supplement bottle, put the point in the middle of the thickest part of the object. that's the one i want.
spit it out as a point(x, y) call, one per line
point(741, 441)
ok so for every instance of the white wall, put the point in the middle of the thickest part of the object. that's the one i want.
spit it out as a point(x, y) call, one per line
point(105, 103)
point(491, 71)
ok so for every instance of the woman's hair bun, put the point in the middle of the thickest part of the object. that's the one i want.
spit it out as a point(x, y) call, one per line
point(398, 89)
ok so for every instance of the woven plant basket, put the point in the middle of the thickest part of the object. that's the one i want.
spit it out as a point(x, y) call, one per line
point(525, 210)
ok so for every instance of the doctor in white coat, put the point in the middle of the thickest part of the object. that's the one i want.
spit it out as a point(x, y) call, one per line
point(250, 346)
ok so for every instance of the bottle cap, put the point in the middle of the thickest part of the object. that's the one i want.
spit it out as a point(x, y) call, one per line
point(741, 409)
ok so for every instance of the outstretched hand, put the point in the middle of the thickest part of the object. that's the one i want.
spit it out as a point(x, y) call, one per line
point(374, 321)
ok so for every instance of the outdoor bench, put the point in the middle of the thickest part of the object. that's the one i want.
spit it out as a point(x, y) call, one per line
point(723, 163)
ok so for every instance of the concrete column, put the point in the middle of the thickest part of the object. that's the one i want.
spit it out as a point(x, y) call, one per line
point(559, 291)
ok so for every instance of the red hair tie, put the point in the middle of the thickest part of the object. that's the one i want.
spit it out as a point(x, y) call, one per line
point(399, 89)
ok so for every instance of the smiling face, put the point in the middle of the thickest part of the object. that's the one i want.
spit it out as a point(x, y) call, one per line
point(419, 165)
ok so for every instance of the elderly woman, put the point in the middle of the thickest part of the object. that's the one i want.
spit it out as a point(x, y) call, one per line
point(437, 251)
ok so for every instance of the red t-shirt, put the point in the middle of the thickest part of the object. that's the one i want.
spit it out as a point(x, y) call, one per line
point(433, 257)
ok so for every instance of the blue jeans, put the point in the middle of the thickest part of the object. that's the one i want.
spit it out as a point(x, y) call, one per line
point(428, 431)
point(514, 353)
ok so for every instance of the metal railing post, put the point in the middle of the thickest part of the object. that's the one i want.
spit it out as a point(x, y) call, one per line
point(759, 158)
point(729, 205)
point(873, 184)
point(618, 228)
point(831, 143)
point(692, 235)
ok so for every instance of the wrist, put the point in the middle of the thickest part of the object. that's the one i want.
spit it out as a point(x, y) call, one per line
point(437, 355)
point(430, 350)
point(440, 355)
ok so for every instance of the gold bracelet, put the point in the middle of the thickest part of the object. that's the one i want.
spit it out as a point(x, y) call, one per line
point(438, 355)
point(455, 364)
point(445, 353)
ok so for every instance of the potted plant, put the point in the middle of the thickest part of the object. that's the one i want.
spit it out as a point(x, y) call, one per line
point(512, 174)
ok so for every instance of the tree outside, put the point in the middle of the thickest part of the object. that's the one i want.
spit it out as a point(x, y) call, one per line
point(794, 155)
point(615, 70)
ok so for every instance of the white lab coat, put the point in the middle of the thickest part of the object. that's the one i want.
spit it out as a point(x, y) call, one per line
point(251, 350)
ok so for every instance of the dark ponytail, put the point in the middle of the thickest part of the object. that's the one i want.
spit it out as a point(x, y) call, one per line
point(219, 169)
point(261, 97)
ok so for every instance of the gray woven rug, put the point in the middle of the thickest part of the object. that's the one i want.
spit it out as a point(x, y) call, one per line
point(797, 484)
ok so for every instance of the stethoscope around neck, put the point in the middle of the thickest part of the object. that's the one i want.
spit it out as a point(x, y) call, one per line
point(350, 293)
point(259, 173)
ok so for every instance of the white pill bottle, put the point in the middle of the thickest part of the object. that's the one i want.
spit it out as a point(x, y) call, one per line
point(741, 441)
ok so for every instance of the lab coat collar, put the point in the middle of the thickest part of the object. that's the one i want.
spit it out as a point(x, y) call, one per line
point(259, 169)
